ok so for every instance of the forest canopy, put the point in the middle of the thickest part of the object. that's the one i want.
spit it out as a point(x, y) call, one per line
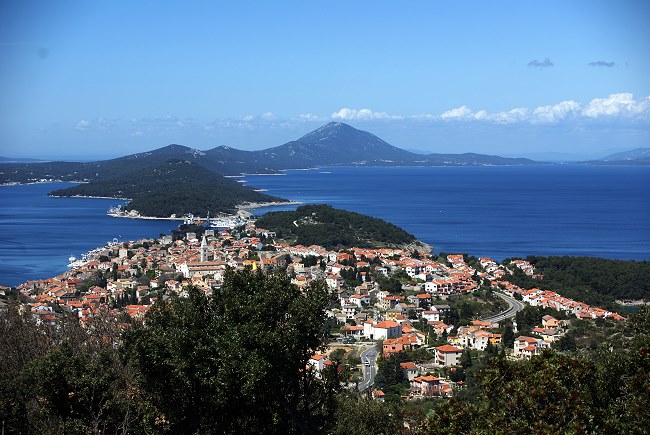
point(332, 228)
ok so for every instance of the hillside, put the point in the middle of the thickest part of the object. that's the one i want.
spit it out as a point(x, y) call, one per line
point(339, 144)
point(335, 143)
point(329, 227)
point(172, 187)
point(595, 281)
point(637, 156)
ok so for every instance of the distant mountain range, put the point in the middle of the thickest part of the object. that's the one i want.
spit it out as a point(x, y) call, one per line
point(332, 144)
point(141, 176)
point(338, 144)
point(637, 156)
point(19, 160)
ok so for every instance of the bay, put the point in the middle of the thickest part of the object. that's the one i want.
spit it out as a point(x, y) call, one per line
point(38, 233)
point(496, 211)
point(493, 211)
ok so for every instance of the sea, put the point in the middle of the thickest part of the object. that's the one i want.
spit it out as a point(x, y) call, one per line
point(493, 211)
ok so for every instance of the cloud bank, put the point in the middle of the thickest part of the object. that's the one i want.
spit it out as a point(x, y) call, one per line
point(621, 107)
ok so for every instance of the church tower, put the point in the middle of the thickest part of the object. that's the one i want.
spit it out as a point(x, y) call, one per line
point(204, 249)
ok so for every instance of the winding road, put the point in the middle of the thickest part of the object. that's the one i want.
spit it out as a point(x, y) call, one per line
point(369, 371)
point(513, 307)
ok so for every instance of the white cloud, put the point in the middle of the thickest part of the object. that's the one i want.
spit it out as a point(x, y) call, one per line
point(307, 117)
point(622, 104)
point(617, 104)
point(461, 112)
point(361, 114)
point(514, 115)
point(267, 115)
point(82, 125)
point(556, 112)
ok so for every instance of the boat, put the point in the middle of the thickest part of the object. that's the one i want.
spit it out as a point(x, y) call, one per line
point(73, 263)
point(227, 222)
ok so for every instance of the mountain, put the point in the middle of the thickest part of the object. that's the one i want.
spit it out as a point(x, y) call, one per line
point(19, 160)
point(336, 144)
point(637, 156)
point(339, 144)
point(333, 144)
point(172, 187)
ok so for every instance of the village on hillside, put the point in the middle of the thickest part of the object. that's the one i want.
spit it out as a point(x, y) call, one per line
point(404, 304)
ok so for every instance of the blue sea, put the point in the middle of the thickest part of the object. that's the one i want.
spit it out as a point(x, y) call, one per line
point(497, 211)
point(38, 233)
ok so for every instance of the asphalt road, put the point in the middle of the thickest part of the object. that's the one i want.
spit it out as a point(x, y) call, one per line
point(513, 307)
point(370, 371)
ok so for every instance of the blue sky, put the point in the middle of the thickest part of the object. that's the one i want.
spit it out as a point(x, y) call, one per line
point(82, 79)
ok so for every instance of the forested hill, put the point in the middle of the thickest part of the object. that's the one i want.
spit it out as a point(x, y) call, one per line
point(331, 228)
point(172, 187)
point(596, 281)
point(332, 144)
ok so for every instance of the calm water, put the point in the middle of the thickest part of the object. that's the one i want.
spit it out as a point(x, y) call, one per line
point(38, 234)
point(484, 211)
point(493, 211)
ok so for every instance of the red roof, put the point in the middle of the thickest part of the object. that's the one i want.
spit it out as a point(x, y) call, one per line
point(448, 348)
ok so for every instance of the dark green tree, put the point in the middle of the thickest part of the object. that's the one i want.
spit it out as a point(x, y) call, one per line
point(234, 362)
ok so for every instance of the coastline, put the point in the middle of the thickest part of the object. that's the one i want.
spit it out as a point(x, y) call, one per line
point(243, 207)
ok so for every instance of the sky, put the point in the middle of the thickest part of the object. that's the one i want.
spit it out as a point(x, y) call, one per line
point(100, 79)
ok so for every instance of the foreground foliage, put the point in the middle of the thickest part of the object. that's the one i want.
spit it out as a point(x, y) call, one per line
point(236, 363)
point(557, 393)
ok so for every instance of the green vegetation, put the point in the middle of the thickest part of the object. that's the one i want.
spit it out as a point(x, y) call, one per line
point(333, 228)
point(173, 187)
point(595, 281)
point(231, 363)
point(235, 363)
point(557, 393)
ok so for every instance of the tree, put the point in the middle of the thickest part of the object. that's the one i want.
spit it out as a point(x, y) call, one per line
point(361, 416)
point(226, 360)
point(508, 337)
point(466, 359)
point(558, 393)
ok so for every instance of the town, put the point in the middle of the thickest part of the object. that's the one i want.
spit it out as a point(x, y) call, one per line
point(389, 302)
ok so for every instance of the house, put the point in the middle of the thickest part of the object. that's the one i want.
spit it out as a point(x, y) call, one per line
point(432, 315)
point(349, 311)
point(355, 331)
point(550, 322)
point(448, 355)
point(526, 347)
point(360, 300)
point(318, 363)
point(429, 386)
point(397, 345)
point(409, 369)
point(381, 330)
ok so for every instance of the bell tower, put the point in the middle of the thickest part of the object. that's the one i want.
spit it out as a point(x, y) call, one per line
point(204, 249)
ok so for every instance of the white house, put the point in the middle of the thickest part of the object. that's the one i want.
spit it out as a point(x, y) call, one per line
point(381, 330)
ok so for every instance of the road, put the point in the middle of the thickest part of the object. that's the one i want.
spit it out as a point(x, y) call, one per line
point(513, 307)
point(370, 371)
